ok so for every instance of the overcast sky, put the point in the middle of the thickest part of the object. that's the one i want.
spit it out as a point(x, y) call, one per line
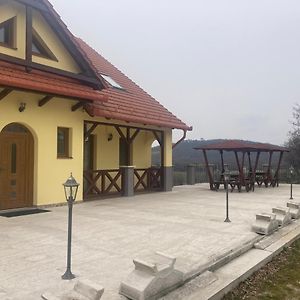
point(229, 68)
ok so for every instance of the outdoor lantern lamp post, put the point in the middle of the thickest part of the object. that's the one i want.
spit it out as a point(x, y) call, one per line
point(70, 187)
point(291, 169)
point(226, 175)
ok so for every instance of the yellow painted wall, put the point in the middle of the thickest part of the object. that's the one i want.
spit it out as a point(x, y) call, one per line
point(142, 149)
point(106, 152)
point(49, 171)
point(168, 148)
point(65, 61)
point(8, 10)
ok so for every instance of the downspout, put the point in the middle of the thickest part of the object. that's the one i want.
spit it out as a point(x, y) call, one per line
point(182, 139)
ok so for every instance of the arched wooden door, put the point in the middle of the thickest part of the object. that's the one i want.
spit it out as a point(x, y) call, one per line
point(16, 167)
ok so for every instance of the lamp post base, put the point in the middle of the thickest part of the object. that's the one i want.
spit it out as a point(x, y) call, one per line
point(227, 220)
point(68, 275)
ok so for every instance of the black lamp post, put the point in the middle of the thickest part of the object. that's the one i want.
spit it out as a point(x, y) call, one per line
point(226, 175)
point(70, 187)
point(291, 169)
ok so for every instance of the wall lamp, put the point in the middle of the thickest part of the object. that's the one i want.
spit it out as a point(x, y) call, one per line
point(22, 106)
point(109, 137)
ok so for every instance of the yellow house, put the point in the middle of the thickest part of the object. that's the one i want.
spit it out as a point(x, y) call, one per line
point(64, 108)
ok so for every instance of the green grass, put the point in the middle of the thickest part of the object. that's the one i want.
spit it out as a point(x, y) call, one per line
point(280, 279)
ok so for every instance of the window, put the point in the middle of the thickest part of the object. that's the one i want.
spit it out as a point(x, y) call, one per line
point(40, 48)
point(63, 142)
point(112, 82)
point(123, 153)
point(7, 31)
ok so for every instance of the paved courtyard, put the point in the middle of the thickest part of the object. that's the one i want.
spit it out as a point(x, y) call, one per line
point(186, 223)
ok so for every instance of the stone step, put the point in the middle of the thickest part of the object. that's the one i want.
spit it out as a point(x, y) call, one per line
point(192, 286)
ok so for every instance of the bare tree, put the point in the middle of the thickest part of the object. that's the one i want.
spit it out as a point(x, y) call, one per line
point(293, 142)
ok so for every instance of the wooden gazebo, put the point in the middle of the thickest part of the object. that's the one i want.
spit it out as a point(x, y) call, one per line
point(245, 148)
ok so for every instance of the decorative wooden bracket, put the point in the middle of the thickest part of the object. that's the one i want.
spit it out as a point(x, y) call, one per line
point(77, 105)
point(158, 138)
point(45, 100)
point(128, 137)
point(5, 93)
point(88, 132)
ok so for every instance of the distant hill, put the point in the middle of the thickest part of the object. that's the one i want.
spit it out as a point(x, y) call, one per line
point(184, 154)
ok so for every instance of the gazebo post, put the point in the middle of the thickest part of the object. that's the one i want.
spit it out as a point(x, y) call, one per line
point(239, 167)
point(223, 167)
point(211, 181)
point(255, 168)
point(249, 161)
point(222, 161)
point(243, 162)
point(269, 179)
point(276, 176)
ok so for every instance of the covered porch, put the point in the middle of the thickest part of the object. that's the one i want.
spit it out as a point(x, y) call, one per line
point(117, 159)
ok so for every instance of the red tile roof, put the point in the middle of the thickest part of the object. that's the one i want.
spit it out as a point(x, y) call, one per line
point(38, 81)
point(131, 104)
point(244, 146)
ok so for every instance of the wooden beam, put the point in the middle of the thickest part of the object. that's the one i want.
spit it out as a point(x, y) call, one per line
point(28, 37)
point(132, 138)
point(78, 105)
point(276, 176)
point(249, 161)
point(122, 135)
point(89, 110)
point(239, 166)
point(254, 170)
point(159, 139)
point(36, 4)
point(93, 82)
point(45, 100)
point(243, 162)
point(222, 162)
point(123, 126)
point(88, 132)
point(269, 175)
point(5, 93)
point(210, 178)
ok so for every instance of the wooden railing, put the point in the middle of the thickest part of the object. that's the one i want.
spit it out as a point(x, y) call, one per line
point(148, 179)
point(102, 182)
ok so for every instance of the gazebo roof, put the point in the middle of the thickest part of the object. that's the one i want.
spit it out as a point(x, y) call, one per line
point(242, 146)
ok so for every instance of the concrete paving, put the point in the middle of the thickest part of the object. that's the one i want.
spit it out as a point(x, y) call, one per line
point(186, 223)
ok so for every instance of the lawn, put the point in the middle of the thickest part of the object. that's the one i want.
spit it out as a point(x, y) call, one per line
point(279, 279)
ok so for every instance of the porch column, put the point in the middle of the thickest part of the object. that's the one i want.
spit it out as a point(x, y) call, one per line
point(191, 174)
point(167, 162)
point(127, 181)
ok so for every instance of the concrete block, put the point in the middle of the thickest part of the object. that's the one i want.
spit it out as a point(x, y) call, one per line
point(283, 215)
point(294, 209)
point(83, 290)
point(89, 289)
point(191, 174)
point(128, 180)
point(265, 224)
point(49, 296)
point(153, 277)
